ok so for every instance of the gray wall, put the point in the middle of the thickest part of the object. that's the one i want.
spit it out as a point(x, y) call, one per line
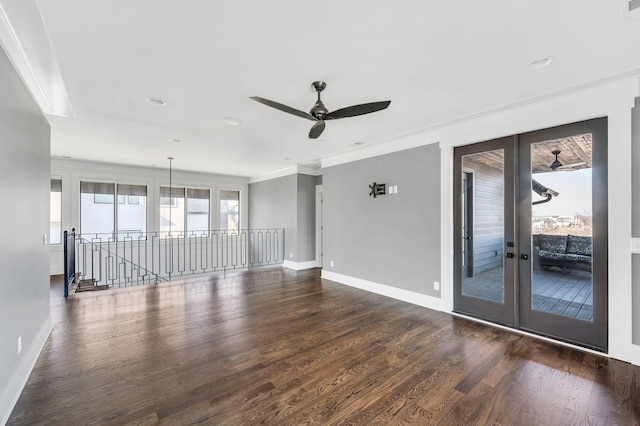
point(393, 239)
point(24, 260)
point(488, 216)
point(287, 202)
point(635, 217)
point(273, 205)
point(306, 218)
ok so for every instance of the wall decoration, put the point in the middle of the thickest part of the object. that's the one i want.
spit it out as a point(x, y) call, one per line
point(377, 189)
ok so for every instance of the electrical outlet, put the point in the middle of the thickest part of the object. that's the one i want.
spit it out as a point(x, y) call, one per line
point(291, 255)
point(436, 285)
point(19, 344)
point(332, 263)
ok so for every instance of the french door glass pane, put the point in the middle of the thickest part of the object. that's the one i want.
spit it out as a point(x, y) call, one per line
point(561, 227)
point(483, 225)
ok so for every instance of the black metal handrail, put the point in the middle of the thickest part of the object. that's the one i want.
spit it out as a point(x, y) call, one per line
point(134, 258)
point(69, 259)
point(123, 261)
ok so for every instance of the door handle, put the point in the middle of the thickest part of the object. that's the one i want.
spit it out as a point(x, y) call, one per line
point(510, 255)
point(524, 256)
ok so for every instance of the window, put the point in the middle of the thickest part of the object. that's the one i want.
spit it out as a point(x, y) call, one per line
point(55, 212)
point(175, 213)
point(99, 214)
point(230, 210)
point(171, 210)
point(197, 210)
point(132, 217)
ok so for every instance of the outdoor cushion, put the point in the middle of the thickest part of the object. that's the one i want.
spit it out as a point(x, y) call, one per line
point(552, 255)
point(579, 245)
point(553, 243)
point(579, 258)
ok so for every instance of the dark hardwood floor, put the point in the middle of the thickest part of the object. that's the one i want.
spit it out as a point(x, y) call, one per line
point(279, 347)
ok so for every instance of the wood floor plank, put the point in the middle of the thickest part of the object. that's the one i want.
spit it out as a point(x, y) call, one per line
point(279, 347)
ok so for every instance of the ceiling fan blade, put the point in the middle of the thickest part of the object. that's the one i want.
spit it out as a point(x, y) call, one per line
point(316, 130)
point(571, 166)
point(355, 110)
point(284, 108)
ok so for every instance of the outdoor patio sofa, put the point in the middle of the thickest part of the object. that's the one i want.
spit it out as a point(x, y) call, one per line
point(567, 251)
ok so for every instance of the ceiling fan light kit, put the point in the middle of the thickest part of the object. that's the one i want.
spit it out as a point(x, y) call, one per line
point(319, 113)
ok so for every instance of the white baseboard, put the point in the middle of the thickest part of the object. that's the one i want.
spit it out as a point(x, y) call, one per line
point(419, 299)
point(299, 266)
point(12, 391)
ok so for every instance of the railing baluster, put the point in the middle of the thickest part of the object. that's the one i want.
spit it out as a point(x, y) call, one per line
point(125, 260)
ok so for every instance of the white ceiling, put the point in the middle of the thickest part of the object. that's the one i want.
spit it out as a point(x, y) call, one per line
point(436, 61)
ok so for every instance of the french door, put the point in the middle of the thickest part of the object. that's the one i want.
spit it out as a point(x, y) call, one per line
point(530, 246)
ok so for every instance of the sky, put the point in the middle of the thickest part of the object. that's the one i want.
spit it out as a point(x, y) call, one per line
point(575, 193)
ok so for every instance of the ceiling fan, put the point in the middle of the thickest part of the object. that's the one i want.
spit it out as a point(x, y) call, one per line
point(557, 165)
point(319, 113)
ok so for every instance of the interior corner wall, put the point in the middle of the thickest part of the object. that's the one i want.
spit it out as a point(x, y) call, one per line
point(635, 217)
point(306, 220)
point(393, 239)
point(273, 204)
point(24, 255)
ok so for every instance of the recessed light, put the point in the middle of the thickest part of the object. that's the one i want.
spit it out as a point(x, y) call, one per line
point(540, 63)
point(357, 143)
point(156, 101)
point(176, 140)
point(232, 121)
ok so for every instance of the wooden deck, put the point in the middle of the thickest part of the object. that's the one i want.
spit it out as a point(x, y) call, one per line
point(559, 292)
point(280, 347)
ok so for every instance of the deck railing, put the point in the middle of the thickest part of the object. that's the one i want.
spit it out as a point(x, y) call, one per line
point(134, 258)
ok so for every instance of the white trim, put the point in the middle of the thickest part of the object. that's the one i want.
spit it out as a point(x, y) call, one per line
point(299, 266)
point(570, 105)
point(293, 170)
point(386, 290)
point(44, 83)
point(17, 382)
point(620, 207)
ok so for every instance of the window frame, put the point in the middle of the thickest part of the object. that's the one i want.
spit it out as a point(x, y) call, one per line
point(60, 212)
point(186, 190)
point(118, 199)
point(239, 213)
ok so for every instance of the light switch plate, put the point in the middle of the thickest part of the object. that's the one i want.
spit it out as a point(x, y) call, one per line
point(635, 245)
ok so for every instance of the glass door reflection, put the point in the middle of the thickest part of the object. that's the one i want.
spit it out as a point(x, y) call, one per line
point(561, 227)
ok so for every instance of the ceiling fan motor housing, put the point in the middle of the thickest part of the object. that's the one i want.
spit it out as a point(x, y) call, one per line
point(319, 110)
